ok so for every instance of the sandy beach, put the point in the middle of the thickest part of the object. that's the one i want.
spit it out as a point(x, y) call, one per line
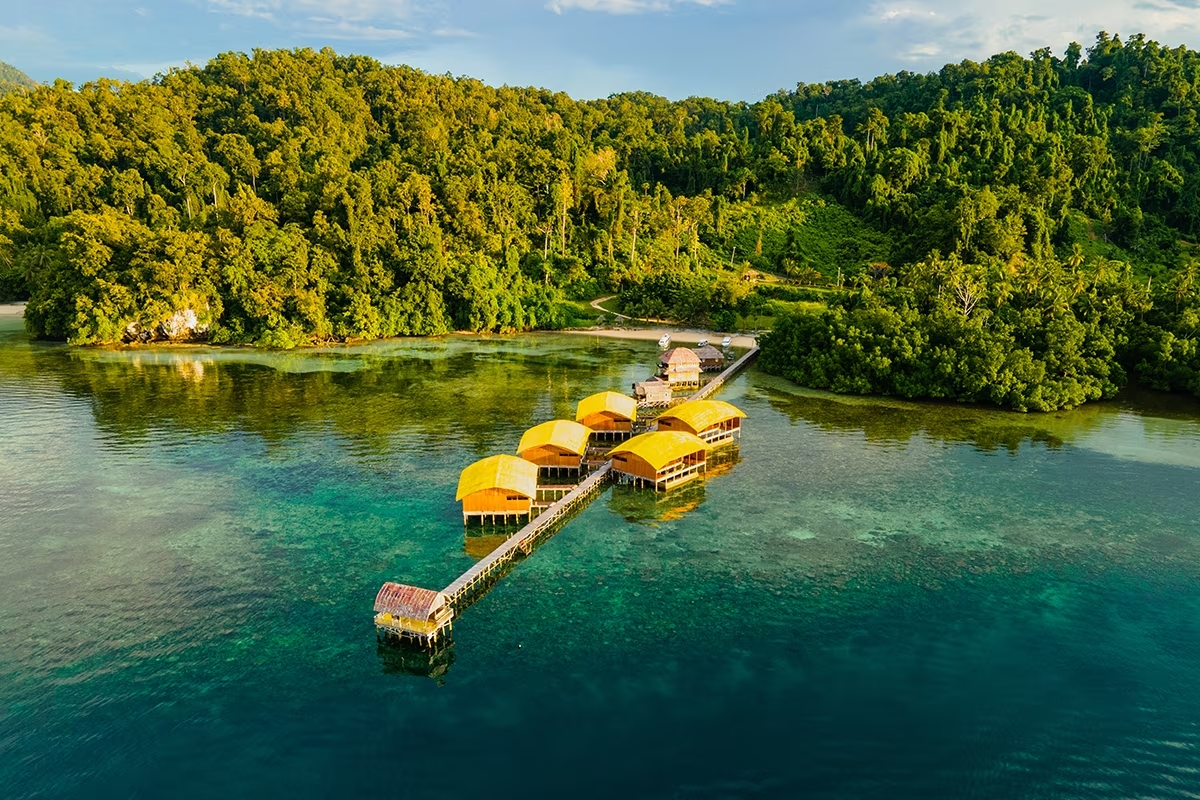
point(9, 310)
point(677, 336)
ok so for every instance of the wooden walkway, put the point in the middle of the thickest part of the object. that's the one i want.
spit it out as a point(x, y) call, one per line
point(479, 578)
point(464, 589)
point(729, 372)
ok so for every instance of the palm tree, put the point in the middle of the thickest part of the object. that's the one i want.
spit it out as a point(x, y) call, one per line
point(1076, 259)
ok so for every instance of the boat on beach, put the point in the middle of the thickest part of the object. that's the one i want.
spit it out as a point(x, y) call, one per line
point(726, 342)
point(665, 340)
point(702, 343)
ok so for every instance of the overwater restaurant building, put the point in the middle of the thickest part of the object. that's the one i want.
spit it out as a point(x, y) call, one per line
point(715, 421)
point(555, 445)
point(610, 415)
point(680, 367)
point(662, 459)
point(412, 612)
point(497, 488)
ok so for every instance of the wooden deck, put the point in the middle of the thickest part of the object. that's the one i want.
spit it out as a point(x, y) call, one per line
point(473, 583)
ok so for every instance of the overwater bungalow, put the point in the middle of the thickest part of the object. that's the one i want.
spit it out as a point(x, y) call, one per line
point(654, 392)
point(410, 612)
point(662, 459)
point(711, 359)
point(680, 367)
point(555, 445)
point(498, 488)
point(714, 421)
point(610, 415)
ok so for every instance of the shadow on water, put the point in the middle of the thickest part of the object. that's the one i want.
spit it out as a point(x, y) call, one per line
point(398, 658)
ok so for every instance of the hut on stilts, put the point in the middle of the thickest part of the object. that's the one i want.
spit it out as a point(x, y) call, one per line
point(680, 367)
point(714, 421)
point(662, 459)
point(410, 613)
point(711, 359)
point(556, 447)
point(497, 489)
point(651, 393)
point(610, 415)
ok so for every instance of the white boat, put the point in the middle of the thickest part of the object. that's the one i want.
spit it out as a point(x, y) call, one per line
point(728, 340)
point(665, 340)
point(702, 343)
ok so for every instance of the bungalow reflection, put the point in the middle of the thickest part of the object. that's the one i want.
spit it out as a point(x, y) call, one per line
point(402, 658)
point(640, 506)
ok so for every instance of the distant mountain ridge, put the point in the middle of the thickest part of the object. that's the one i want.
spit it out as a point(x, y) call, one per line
point(12, 78)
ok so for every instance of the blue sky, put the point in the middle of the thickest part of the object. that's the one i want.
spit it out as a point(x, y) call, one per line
point(731, 49)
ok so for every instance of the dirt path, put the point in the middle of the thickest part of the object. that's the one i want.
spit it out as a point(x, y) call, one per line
point(596, 304)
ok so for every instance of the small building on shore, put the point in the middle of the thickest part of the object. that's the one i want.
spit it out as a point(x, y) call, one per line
point(711, 359)
point(680, 367)
point(610, 415)
point(662, 459)
point(555, 445)
point(654, 392)
point(410, 612)
point(498, 488)
point(714, 421)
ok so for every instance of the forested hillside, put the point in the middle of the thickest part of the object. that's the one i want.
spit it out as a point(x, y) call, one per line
point(1044, 206)
point(12, 79)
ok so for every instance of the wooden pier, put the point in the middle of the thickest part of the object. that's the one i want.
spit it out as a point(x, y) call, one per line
point(473, 583)
point(463, 590)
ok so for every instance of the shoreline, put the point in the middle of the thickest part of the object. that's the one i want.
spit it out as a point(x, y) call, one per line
point(649, 334)
point(678, 336)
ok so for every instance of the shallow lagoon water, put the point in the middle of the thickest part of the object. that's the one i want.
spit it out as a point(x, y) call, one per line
point(880, 599)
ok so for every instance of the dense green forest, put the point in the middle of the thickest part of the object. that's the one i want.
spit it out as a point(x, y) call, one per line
point(1017, 231)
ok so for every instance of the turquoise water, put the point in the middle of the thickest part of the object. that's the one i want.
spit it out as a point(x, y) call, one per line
point(879, 600)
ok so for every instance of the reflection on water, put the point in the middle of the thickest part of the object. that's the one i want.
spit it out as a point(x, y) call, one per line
point(950, 601)
point(647, 506)
point(396, 658)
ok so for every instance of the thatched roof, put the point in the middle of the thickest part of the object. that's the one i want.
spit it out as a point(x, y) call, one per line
point(561, 433)
point(660, 448)
point(619, 405)
point(702, 414)
point(510, 473)
point(709, 353)
point(679, 355)
point(413, 602)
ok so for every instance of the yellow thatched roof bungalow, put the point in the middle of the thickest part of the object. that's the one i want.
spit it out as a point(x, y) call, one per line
point(498, 487)
point(607, 412)
point(557, 444)
point(662, 459)
point(714, 421)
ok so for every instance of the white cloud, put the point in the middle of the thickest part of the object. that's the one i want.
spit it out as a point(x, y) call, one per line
point(627, 6)
point(929, 32)
point(358, 20)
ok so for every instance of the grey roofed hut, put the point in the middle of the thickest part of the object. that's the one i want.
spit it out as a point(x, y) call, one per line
point(711, 359)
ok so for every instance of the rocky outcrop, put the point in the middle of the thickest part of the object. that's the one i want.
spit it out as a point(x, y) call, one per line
point(182, 326)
